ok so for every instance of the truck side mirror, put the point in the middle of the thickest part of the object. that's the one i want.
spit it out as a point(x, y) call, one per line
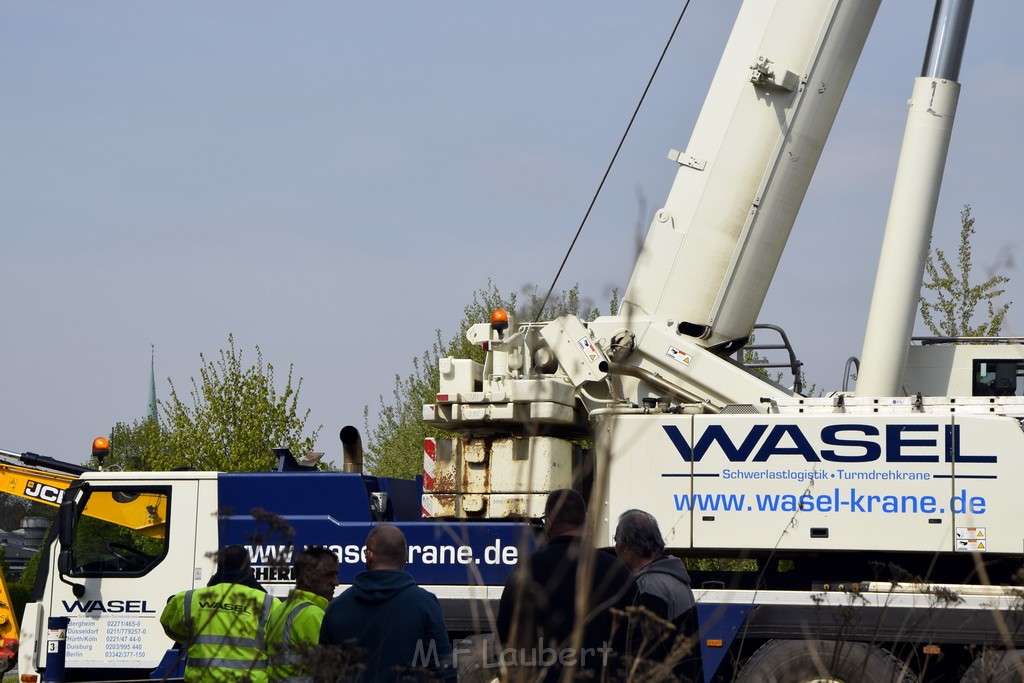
point(65, 562)
point(67, 518)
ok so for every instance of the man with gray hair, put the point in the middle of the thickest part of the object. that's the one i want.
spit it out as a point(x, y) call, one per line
point(663, 585)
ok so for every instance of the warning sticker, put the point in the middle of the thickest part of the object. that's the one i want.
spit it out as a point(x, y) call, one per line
point(589, 350)
point(971, 539)
point(679, 355)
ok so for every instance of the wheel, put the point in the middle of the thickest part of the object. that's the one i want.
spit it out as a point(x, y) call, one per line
point(996, 666)
point(822, 661)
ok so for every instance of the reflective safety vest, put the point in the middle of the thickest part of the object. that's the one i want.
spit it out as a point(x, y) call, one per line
point(293, 631)
point(224, 628)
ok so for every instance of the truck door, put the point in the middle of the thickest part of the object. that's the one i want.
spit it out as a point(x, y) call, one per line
point(119, 571)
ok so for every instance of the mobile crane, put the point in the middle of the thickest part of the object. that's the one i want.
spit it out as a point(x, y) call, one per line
point(900, 494)
point(908, 471)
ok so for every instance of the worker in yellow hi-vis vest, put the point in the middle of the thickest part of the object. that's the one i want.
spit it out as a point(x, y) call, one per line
point(294, 629)
point(224, 625)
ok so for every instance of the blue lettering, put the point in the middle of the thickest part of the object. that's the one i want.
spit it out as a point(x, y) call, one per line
point(112, 606)
point(715, 434)
point(872, 451)
point(712, 502)
point(843, 443)
point(895, 440)
point(801, 446)
point(953, 448)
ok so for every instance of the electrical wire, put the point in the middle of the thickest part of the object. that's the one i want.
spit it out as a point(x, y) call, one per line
point(611, 163)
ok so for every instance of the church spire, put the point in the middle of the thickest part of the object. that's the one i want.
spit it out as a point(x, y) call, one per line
point(151, 405)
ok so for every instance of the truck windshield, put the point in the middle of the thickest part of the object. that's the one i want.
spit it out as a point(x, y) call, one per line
point(108, 544)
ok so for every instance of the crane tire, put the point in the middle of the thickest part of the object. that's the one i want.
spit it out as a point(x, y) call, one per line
point(822, 661)
point(996, 666)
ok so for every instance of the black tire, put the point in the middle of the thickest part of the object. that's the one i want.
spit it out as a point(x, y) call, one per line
point(804, 661)
point(996, 666)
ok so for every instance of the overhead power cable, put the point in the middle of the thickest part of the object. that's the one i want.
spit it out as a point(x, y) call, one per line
point(611, 163)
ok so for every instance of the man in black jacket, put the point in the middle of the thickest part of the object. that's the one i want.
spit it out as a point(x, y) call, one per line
point(663, 587)
point(567, 585)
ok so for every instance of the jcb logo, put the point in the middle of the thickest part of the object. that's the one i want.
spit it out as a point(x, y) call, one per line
point(44, 492)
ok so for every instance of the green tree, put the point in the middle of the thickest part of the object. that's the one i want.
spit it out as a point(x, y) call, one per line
point(21, 590)
point(956, 299)
point(233, 419)
point(12, 510)
point(395, 443)
point(133, 447)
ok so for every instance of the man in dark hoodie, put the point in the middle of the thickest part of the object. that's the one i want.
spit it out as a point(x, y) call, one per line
point(663, 587)
point(396, 624)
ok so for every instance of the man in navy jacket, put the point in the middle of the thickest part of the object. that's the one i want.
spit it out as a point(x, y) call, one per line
point(395, 624)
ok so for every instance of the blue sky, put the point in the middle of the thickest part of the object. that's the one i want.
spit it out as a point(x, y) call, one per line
point(332, 180)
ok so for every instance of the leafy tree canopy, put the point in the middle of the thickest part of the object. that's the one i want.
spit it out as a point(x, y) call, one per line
point(956, 299)
point(133, 447)
point(231, 418)
point(13, 509)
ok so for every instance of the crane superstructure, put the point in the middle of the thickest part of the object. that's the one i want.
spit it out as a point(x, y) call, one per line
point(683, 429)
point(911, 475)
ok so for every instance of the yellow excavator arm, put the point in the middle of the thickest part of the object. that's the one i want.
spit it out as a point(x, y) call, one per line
point(145, 513)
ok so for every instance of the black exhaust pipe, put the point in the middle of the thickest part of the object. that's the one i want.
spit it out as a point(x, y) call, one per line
point(352, 450)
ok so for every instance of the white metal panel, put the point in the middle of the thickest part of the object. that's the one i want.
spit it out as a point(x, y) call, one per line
point(948, 369)
point(988, 504)
point(31, 640)
point(868, 481)
point(917, 596)
point(459, 375)
point(578, 355)
point(822, 482)
point(645, 472)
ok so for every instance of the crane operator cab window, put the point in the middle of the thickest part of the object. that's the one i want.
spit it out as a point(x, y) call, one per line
point(998, 378)
point(118, 532)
